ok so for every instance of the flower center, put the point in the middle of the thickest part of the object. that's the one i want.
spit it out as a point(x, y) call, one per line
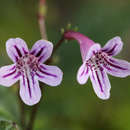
point(97, 60)
point(27, 63)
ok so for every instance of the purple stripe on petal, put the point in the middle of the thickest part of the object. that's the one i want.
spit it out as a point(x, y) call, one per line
point(99, 81)
point(12, 68)
point(40, 52)
point(33, 81)
point(16, 58)
point(33, 52)
point(102, 73)
point(18, 51)
point(46, 73)
point(32, 76)
point(41, 57)
point(82, 73)
point(40, 76)
point(9, 74)
point(87, 70)
point(16, 76)
point(25, 52)
point(110, 50)
point(113, 46)
point(43, 67)
point(108, 68)
point(111, 60)
point(23, 80)
point(116, 66)
point(93, 76)
point(29, 89)
point(112, 70)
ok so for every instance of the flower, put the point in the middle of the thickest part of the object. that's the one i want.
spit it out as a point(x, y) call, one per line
point(97, 62)
point(28, 68)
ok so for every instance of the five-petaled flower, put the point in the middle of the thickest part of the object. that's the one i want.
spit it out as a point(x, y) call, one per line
point(97, 62)
point(28, 68)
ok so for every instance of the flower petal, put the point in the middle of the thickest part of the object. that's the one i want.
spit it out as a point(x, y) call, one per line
point(83, 74)
point(93, 49)
point(113, 46)
point(101, 84)
point(118, 68)
point(50, 75)
point(42, 49)
point(8, 75)
point(16, 48)
point(29, 89)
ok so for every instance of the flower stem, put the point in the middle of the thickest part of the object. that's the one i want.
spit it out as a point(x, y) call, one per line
point(58, 44)
point(54, 50)
point(22, 111)
point(41, 18)
point(32, 117)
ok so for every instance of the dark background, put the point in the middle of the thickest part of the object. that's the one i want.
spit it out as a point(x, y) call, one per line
point(69, 106)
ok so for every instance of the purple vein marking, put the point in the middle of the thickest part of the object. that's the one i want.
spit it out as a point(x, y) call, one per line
point(17, 75)
point(108, 68)
point(32, 52)
point(18, 51)
point(102, 73)
point(93, 77)
point(33, 81)
point(25, 52)
point(29, 89)
point(110, 52)
point(41, 57)
point(12, 68)
point(23, 80)
point(46, 73)
point(16, 58)
point(39, 52)
point(116, 66)
point(42, 66)
point(9, 74)
point(107, 50)
point(113, 61)
point(99, 81)
point(40, 76)
point(82, 73)
point(87, 70)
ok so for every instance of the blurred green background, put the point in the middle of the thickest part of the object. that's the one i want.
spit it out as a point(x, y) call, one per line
point(69, 106)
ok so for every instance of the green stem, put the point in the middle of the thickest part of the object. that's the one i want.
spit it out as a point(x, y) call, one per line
point(41, 18)
point(22, 111)
point(55, 49)
point(32, 117)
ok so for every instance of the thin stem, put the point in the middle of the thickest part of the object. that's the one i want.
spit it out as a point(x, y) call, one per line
point(41, 18)
point(55, 49)
point(33, 114)
point(22, 111)
point(32, 117)
point(58, 44)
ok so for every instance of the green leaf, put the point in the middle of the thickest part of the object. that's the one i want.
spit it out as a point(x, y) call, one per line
point(8, 125)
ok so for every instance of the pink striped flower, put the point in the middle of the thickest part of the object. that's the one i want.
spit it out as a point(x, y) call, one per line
point(28, 68)
point(97, 62)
